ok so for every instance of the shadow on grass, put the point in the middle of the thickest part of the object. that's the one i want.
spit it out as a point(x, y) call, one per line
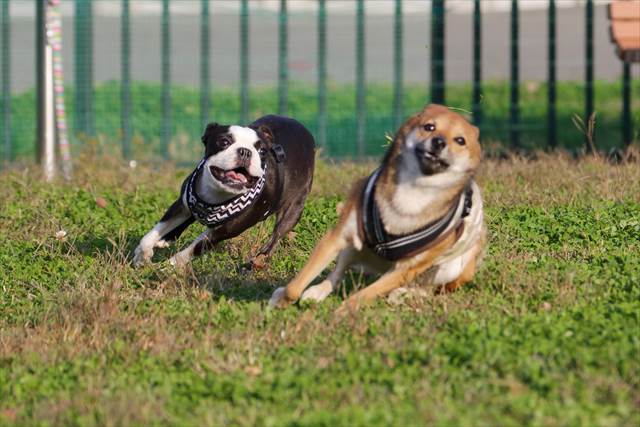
point(256, 286)
point(221, 272)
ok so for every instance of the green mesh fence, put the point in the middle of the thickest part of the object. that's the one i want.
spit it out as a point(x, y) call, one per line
point(144, 119)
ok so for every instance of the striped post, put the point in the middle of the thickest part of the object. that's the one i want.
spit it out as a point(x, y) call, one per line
point(437, 52)
point(6, 80)
point(204, 63)
point(165, 133)
point(551, 95)
point(322, 73)
point(125, 87)
point(626, 105)
point(589, 69)
point(397, 66)
point(244, 62)
point(477, 64)
point(360, 80)
point(59, 117)
point(514, 108)
point(283, 73)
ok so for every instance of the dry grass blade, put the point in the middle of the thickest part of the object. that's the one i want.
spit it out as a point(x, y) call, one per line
point(587, 130)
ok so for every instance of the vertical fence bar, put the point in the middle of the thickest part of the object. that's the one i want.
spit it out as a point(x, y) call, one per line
point(360, 80)
point(626, 105)
point(6, 80)
point(398, 59)
point(551, 94)
point(283, 72)
point(589, 69)
point(477, 63)
point(204, 63)
point(125, 85)
point(80, 43)
point(514, 108)
point(165, 133)
point(322, 73)
point(83, 118)
point(437, 52)
point(244, 62)
point(88, 66)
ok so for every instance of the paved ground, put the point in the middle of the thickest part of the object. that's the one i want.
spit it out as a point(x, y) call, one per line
point(341, 39)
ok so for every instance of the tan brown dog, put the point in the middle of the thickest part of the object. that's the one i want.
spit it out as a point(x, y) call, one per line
point(418, 218)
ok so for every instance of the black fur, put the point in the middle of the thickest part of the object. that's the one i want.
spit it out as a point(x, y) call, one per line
point(284, 199)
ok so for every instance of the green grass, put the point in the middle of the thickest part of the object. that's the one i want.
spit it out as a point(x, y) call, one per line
point(146, 116)
point(547, 333)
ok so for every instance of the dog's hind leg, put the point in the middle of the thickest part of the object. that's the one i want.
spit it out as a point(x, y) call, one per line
point(322, 290)
point(171, 225)
point(286, 219)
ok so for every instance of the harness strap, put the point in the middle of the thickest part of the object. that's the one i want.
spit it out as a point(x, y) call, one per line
point(213, 215)
point(395, 247)
point(281, 156)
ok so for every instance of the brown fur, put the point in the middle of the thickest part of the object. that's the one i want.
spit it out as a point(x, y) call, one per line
point(449, 125)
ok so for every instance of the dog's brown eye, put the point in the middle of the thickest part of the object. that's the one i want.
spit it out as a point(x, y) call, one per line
point(460, 140)
point(224, 142)
point(429, 127)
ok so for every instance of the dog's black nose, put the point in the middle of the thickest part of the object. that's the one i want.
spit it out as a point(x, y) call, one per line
point(244, 153)
point(437, 144)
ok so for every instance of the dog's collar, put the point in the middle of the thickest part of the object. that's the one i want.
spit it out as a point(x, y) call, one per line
point(213, 215)
point(395, 247)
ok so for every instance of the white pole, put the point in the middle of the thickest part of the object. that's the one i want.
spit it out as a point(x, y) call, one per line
point(46, 125)
point(49, 158)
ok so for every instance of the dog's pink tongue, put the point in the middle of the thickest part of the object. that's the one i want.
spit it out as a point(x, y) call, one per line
point(236, 176)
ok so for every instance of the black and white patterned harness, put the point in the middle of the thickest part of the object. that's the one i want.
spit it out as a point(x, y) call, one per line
point(213, 215)
point(395, 247)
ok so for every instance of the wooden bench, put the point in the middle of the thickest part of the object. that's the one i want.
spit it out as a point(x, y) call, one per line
point(625, 28)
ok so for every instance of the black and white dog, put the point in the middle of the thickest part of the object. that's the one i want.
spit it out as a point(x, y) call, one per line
point(247, 174)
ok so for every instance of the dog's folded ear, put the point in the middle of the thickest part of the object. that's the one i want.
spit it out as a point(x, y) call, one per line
point(210, 129)
point(265, 134)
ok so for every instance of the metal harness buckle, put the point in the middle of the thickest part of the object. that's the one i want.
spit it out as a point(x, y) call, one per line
point(279, 153)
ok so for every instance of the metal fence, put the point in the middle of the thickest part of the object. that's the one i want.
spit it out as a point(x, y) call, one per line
point(356, 136)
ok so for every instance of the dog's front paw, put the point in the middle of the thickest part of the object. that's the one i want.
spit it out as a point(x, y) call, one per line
point(162, 244)
point(142, 255)
point(317, 293)
point(279, 298)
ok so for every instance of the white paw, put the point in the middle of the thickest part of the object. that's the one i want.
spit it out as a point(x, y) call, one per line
point(142, 256)
point(397, 296)
point(162, 244)
point(318, 292)
point(179, 260)
point(277, 298)
point(401, 295)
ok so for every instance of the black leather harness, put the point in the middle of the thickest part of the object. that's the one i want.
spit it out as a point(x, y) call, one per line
point(213, 215)
point(395, 247)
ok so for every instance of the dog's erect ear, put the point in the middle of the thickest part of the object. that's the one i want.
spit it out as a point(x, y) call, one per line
point(210, 129)
point(476, 132)
point(265, 134)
